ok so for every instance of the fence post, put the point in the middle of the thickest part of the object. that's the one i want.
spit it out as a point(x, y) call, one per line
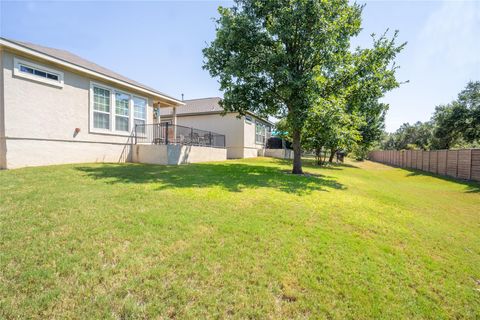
point(210, 137)
point(191, 136)
point(428, 163)
point(471, 167)
point(456, 167)
point(166, 132)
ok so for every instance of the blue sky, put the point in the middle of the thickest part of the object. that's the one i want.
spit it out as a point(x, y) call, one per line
point(159, 43)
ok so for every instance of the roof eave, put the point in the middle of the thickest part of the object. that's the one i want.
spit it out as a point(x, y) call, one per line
point(17, 47)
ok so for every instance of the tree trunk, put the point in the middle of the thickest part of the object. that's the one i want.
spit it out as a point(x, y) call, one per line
point(297, 152)
point(318, 155)
point(332, 154)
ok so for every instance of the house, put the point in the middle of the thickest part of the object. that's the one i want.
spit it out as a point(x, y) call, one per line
point(56, 107)
point(246, 136)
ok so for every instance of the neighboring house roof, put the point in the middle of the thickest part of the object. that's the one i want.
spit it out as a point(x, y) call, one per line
point(202, 106)
point(75, 60)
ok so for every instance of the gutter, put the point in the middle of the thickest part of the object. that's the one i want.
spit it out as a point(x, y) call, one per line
point(8, 44)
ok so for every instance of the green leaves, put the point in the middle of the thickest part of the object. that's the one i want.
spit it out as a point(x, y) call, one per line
point(455, 125)
point(282, 58)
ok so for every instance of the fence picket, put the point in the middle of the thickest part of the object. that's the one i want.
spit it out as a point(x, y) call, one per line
point(462, 164)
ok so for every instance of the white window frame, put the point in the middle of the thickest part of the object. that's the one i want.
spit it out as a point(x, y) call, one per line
point(131, 123)
point(98, 111)
point(264, 129)
point(129, 116)
point(17, 62)
point(133, 111)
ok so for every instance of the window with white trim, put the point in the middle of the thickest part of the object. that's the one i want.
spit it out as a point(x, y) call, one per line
point(139, 113)
point(122, 111)
point(115, 111)
point(101, 108)
point(37, 72)
point(260, 134)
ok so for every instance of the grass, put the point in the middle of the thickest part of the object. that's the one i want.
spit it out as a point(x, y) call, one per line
point(237, 239)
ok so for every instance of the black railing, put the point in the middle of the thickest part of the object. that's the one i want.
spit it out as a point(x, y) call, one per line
point(165, 133)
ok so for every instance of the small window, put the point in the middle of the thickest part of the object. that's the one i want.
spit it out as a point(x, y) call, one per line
point(139, 113)
point(52, 76)
point(101, 108)
point(248, 119)
point(260, 134)
point(26, 69)
point(37, 72)
point(122, 118)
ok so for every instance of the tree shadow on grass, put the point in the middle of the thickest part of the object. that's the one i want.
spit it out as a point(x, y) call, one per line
point(233, 177)
point(471, 186)
point(312, 163)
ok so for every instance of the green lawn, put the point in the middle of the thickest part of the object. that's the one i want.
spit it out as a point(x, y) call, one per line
point(237, 239)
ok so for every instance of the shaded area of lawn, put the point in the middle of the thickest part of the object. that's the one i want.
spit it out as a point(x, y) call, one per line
point(471, 186)
point(231, 176)
point(237, 239)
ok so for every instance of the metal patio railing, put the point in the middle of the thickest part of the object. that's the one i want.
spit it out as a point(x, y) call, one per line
point(166, 133)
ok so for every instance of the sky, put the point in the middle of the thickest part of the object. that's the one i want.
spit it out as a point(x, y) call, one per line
point(159, 43)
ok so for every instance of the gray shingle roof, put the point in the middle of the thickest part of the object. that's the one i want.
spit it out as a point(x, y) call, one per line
point(79, 61)
point(199, 106)
point(196, 106)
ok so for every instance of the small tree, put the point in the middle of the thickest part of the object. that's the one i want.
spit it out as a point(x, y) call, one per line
point(269, 54)
point(371, 76)
point(352, 117)
point(330, 128)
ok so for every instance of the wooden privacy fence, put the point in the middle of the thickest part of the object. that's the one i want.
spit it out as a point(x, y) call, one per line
point(461, 164)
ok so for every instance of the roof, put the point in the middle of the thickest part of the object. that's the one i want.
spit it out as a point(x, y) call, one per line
point(199, 106)
point(71, 58)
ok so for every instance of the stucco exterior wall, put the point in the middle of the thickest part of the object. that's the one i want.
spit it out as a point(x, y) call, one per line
point(229, 125)
point(176, 154)
point(40, 120)
point(239, 134)
point(276, 153)
point(250, 146)
point(3, 146)
point(26, 153)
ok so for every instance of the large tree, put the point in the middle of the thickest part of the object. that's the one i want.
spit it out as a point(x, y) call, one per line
point(373, 73)
point(352, 115)
point(459, 121)
point(268, 56)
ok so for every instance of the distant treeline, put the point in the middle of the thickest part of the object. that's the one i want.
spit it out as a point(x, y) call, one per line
point(454, 125)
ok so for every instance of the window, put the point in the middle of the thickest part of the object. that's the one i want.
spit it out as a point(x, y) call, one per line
point(122, 111)
point(248, 119)
point(116, 112)
point(139, 113)
point(260, 135)
point(101, 108)
point(36, 72)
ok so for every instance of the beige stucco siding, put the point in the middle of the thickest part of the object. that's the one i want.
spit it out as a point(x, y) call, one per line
point(228, 125)
point(3, 146)
point(240, 135)
point(176, 154)
point(26, 153)
point(251, 147)
point(35, 112)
